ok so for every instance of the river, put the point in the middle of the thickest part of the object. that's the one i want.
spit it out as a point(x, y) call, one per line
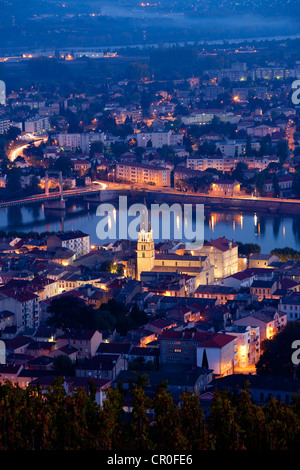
point(269, 231)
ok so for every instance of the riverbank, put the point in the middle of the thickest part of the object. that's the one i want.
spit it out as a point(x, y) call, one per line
point(250, 204)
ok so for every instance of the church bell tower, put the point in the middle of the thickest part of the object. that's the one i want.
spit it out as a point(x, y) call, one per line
point(145, 246)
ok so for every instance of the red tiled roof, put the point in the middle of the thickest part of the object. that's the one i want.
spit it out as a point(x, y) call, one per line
point(241, 275)
point(67, 349)
point(161, 323)
point(219, 341)
point(79, 335)
point(186, 335)
point(21, 296)
point(287, 283)
point(221, 244)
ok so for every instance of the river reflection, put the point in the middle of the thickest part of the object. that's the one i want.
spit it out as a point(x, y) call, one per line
point(269, 231)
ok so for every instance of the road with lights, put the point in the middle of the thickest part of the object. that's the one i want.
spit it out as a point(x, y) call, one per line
point(18, 151)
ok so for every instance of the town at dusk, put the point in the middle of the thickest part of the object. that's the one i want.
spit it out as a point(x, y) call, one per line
point(150, 228)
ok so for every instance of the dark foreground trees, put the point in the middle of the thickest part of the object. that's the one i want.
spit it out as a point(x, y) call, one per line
point(55, 420)
point(276, 357)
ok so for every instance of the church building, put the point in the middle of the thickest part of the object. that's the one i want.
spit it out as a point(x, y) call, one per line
point(148, 260)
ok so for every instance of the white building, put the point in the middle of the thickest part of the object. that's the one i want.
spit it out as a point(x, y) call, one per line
point(158, 108)
point(2, 93)
point(221, 354)
point(222, 163)
point(231, 148)
point(269, 320)
point(143, 174)
point(79, 141)
point(239, 279)
point(290, 305)
point(76, 241)
point(205, 116)
point(37, 125)
point(24, 305)
point(158, 139)
point(248, 344)
point(4, 125)
point(263, 131)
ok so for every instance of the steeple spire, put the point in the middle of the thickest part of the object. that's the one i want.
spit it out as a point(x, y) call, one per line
point(145, 220)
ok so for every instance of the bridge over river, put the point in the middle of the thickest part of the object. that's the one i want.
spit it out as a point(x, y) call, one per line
point(93, 189)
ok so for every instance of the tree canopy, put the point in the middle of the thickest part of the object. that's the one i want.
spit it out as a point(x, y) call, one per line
point(52, 419)
point(276, 357)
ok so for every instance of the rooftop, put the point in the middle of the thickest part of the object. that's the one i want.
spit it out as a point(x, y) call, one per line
point(222, 244)
point(71, 235)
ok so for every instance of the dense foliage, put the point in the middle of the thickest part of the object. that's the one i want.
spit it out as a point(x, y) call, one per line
point(69, 312)
point(248, 248)
point(285, 254)
point(32, 420)
point(275, 359)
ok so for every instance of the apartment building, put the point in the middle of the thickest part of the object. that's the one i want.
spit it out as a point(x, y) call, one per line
point(158, 139)
point(164, 107)
point(290, 305)
point(233, 75)
point(269, 320)
point(271, 73)
point(143, 174)
point(75, 241)
point(248, 344)
point(23, 304)
point(224, 164)
point(205, 116)
point(134, 113)
point(2, 93)
point(4, 125)
point(233, 148)
point(180, 347)
point(37, 125)
point(82, 141)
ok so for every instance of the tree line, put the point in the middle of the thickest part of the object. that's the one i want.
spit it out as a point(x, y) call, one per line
point(69, 312)
point(55, 420)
